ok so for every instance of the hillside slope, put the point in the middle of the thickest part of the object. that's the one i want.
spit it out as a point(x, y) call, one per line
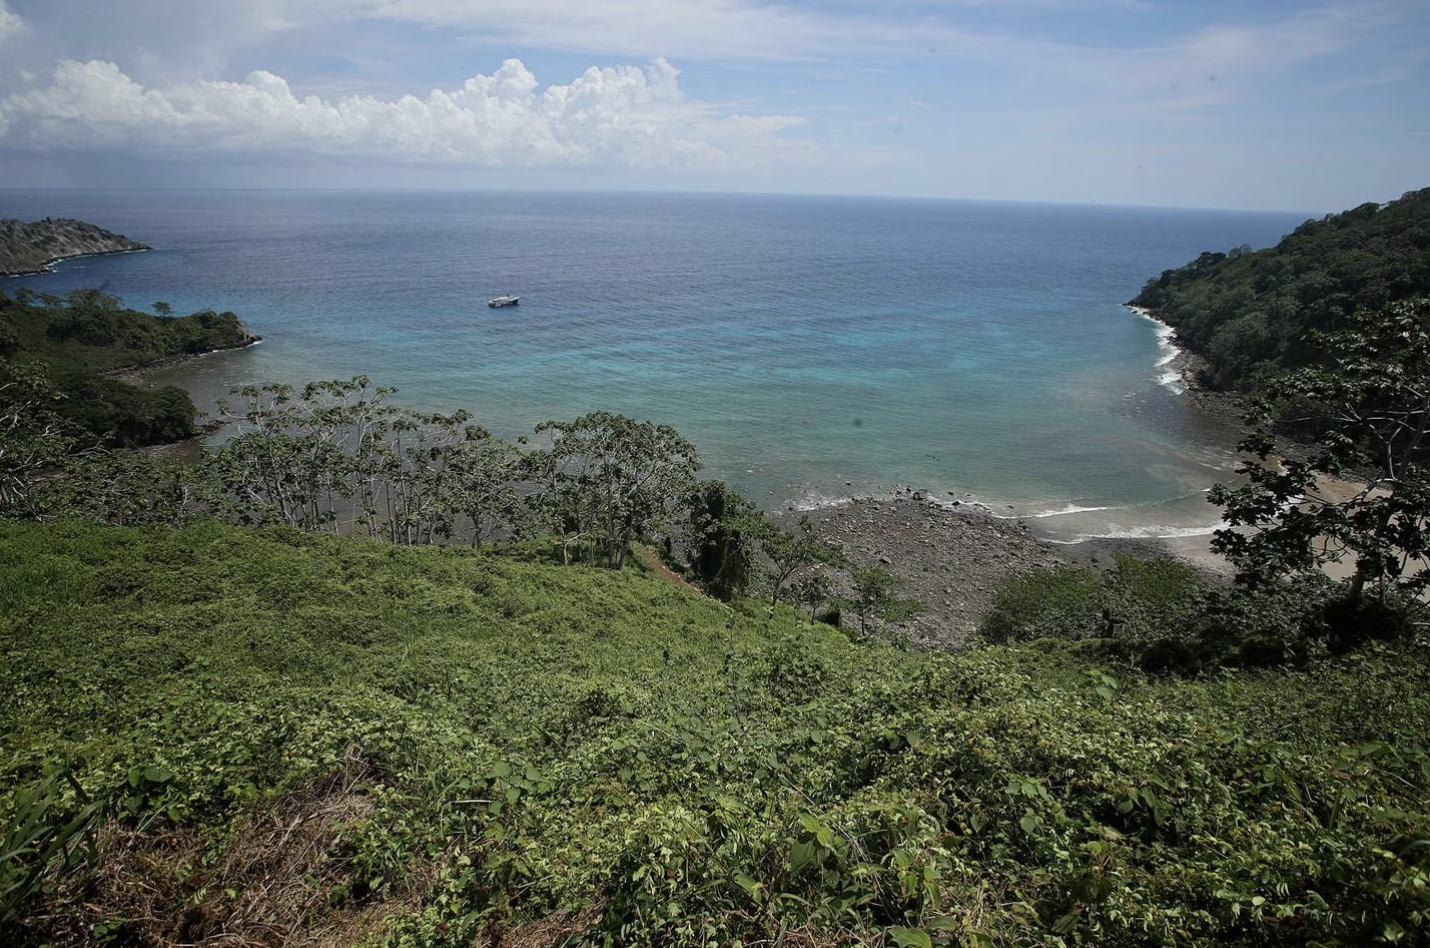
point(334, 740)
point(1249, 312)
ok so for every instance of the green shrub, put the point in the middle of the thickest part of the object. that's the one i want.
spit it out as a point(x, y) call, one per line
point(48, 832)
point(628, 763)
point(1062, 602)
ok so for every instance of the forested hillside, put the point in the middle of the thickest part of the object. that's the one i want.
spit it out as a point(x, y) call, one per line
point(87, 333)
point(1249, 312)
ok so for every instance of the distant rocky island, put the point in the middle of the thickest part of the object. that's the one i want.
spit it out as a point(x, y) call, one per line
point(27, 248)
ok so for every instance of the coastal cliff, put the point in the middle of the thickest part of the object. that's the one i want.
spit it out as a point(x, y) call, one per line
point(27, 248)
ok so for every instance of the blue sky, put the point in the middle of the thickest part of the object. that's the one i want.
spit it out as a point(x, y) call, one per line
point(1252, 104)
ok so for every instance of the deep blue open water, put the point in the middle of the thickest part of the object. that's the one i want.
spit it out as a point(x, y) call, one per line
point(812, 348)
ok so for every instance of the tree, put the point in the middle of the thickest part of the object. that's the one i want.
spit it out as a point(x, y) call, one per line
point(722, 528)
point(9, 341)
point(608, 480)
point(1370, 404)
point(485, 473)
point(34, 436)
point(874, 597)
point(301, 459)
point(814, 590)
point(790, 552)
point(419, 485)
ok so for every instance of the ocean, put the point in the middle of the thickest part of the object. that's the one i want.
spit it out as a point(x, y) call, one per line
point(813, 348)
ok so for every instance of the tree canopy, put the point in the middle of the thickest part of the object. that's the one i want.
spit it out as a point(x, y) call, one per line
point(1250, 312)
point(1370, 406)
point(87, 333)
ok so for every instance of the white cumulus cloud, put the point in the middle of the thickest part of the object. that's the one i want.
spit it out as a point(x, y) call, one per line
point(618, 117)
point(10, 23)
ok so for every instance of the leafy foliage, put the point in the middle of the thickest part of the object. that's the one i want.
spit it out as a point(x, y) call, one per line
point(794, 553)
point(1376, 395)
point(338, 457)
point(609, 480)
point(1137, 601)
point(88, 332)
point(1250, 312)
point(34, 437)
point(874, 599)
point(722, 537)
point(1161, 616)
point(43, 841)
point(597, 752)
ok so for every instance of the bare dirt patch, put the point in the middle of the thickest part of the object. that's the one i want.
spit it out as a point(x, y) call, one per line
point(276, 882)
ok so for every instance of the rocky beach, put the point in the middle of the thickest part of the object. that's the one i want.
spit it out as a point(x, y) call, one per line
point(952, 557)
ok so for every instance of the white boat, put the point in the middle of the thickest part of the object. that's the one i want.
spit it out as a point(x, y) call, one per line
point(506, 299)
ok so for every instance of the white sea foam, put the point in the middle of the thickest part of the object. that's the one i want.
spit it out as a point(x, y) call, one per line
point(1069, 509)
point(1174, 382)
point(1172, 378)
point(815, 501)
point(1152, 532)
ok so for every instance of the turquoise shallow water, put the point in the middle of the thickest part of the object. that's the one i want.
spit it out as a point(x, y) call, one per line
point(813, 348)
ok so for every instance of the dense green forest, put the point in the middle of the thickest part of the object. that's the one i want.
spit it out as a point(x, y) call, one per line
point(87, 333)
point(367, 676)
point(1250, 313)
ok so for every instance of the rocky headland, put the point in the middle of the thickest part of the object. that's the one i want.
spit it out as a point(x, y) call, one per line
point(27, 248)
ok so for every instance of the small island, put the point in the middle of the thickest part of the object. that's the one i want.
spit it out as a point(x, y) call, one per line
point(29, 248)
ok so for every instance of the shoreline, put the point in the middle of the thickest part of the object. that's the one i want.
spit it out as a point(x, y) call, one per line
point(953, 559)
point(139, 374)
point(953, 556)
point(49, 265)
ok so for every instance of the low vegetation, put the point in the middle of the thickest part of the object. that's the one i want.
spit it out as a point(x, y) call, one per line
point(283, 737)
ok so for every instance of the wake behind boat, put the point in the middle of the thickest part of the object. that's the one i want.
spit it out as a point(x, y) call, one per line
point(506, 299)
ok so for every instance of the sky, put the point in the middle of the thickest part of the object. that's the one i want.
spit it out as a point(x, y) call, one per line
point(1254, 104)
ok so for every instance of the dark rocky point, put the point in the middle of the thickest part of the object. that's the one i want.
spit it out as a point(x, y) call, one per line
point(34, 247)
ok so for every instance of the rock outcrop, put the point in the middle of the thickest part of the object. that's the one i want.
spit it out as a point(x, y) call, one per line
point(32, 248)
